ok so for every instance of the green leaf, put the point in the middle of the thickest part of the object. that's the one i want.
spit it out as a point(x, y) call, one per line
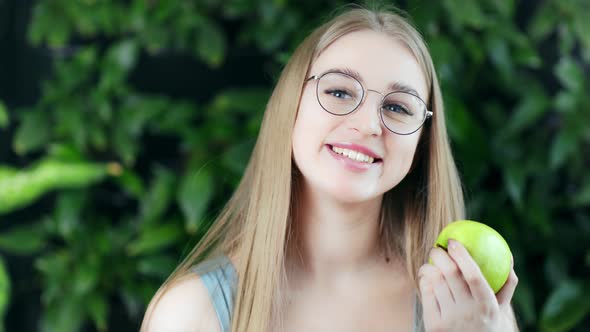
point(7, 172)
point(70, 121)
point(445, 53)
point(38, 24)
point(514, 178)
point(236, 157)
point(504, 7)
point(211, 42)
point(538, 217)
point(4, 121)
point(55, 267)
point(563, 147)
point(19, 190)
point(274, 29)
point(23, 240)
point(196, 190)
point(67, 212)
point(125, 147)
point(524, 299)
point(98, 137)
point(532, 107)
point(570, 74)
point(466, 12)
point(55, 264)
point(567, 305)
point(565, 101)
point(245, 101)
point(567, 39)
point(66, 315)
point(59, 34)
point(157, 199)
point(499, 53)
point(139, 111)
point(136, 294)
point(64, 152)
point(154, 238)
point(124, 54)
point(543, 22)
point(582, 30)
point(26, 186)
point(527, 55)
point(159, 266)
point(131, 183)
point(85, 276)
point(176, 119)
point(236, 9)
point(459, 121)
point(556, 268)
point(582, 198)
point(54, 174)
point(96, 305)
point(33, 132)
point(4, 293)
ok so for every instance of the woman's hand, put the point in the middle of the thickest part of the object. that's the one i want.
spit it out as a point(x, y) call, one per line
point(457, 298)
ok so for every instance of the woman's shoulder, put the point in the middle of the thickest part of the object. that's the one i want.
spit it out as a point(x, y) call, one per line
point(184, 305)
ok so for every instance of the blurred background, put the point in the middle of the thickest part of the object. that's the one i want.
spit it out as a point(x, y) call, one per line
point(125, 126)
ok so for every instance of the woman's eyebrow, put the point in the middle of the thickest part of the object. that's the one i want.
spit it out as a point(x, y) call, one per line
point(398, 86)
point(348, 71)
point(395, 86)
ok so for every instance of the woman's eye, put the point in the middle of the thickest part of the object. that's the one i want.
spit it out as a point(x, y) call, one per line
point(338, 94)
point(397, 108)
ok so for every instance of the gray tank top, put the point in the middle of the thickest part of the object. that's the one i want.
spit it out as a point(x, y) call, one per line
point(220, 278)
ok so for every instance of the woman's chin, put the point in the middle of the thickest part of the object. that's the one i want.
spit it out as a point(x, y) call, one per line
point(340, 190)
point(351, 194)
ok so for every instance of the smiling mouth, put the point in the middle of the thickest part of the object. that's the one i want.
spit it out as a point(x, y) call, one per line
point(354, 155)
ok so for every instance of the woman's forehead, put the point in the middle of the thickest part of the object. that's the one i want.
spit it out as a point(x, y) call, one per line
point(380, 60)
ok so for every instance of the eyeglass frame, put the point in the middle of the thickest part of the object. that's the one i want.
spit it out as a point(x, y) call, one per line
point(428, 113)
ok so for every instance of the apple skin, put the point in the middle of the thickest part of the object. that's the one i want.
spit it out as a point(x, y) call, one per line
point(486, 246)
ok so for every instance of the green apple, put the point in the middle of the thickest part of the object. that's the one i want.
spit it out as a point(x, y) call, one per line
point(486, 246)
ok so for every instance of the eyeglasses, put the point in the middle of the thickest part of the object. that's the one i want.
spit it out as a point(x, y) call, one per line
point(402, 112)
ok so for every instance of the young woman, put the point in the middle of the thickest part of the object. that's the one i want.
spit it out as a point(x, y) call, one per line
point(349, 183)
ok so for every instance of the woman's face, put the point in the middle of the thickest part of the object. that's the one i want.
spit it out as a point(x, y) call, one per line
point(380, 61)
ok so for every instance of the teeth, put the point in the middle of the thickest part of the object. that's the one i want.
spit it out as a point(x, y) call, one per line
point(354, 155)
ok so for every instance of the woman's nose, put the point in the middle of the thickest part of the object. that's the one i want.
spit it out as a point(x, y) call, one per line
point(366, 118)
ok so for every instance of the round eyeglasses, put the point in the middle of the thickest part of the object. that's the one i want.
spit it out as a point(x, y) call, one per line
point(402, 112)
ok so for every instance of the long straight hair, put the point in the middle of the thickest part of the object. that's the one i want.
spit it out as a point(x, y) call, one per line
point(256, 224)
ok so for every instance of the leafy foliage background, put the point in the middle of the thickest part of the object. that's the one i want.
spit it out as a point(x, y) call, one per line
point(125, 125)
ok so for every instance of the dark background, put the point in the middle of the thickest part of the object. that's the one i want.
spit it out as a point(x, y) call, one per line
point(166, 97)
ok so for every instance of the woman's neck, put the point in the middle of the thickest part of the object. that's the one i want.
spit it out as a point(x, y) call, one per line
point(335, 240)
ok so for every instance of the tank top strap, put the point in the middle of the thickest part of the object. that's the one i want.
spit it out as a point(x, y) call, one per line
point(220, 278)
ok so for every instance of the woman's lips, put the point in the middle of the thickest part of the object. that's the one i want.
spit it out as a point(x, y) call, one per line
point(356, 147)
point(353, 165)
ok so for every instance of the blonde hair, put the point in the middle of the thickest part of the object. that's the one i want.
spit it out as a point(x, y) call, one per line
point(255, 225)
